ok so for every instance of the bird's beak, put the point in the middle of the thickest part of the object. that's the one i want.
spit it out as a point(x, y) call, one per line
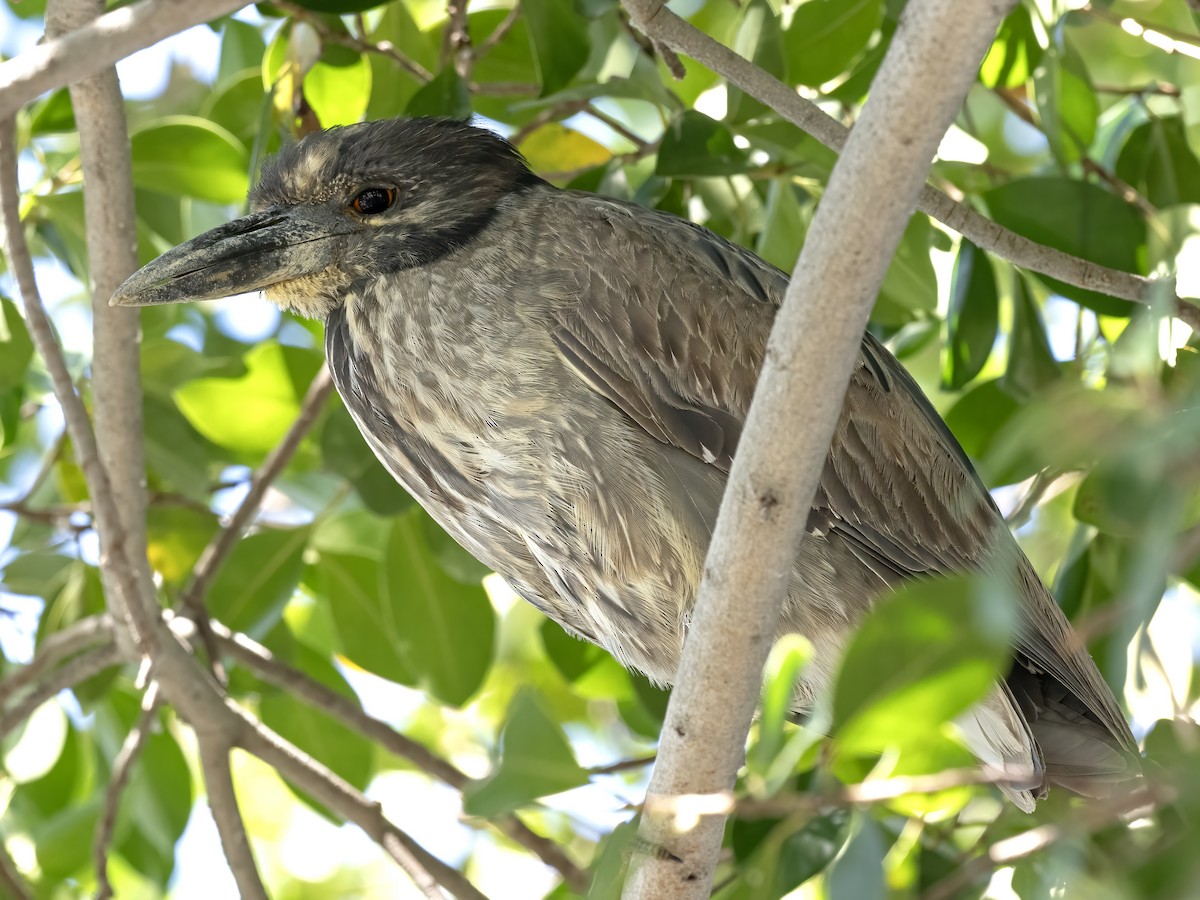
point(248, 254)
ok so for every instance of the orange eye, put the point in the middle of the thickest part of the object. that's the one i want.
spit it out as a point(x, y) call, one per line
point(372, 201)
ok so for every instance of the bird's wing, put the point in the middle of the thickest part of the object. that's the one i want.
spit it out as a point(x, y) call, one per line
point(670, 322)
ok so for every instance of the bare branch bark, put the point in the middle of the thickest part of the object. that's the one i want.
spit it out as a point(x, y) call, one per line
point(222, 800)
point(261, 661)
point(122, 768)
point(10, 879)
point(88, 50)
point(667, 27)
point(350, 803)
point(57, 649)
point(81, 668)
point(814, 345)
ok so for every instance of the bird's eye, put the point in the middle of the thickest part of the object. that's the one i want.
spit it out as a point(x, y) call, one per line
point(372, 201)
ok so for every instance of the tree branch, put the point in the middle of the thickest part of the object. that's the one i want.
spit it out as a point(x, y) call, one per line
point(83, 667)
point(261, 661)
point(10, 880)
point(669, 28)
point(222, 800)
point(122, 768)
point(98, 45)
point(223, 543)
point(55, 650)
point(813, 346)
point(347, 801)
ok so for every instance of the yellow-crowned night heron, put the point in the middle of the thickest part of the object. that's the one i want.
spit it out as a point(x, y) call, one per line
point(560, 379)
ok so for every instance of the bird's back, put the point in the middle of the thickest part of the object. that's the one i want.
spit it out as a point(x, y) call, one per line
point(590, 468)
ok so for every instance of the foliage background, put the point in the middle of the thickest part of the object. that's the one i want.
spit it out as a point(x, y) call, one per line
point(1083, 132)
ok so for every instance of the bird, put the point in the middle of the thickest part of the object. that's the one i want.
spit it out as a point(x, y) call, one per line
point(561, 378)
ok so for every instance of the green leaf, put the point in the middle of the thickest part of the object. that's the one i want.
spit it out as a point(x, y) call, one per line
point(826, 35)
point(338, 87)
point(786, 223)
point(1066, 101)
point(556, 148)
point(249, 414)
point(391, 86)
point(1014, 54)
point(446, 95)
point(257, 580)
point(775, 857)
point(54, 115)
point(242, 47)
point(559, 39)
point(973, 320)
point(910, 286)
point(535, 761)
point(16, 347)
point(190, 156)
point(175, 453)
point(369, 636)
point(1158, 161)
point(695, 146)
point(344, 451)
point(1078, 218)
point(1031, 364)
point(347, 753)
point(760, 39)
point(921, 657)
point(572, 656)
point(37, 573)
point(446, 628)
point(980, 415)
point(176, 536)
point(156, 805)
point(857, 873)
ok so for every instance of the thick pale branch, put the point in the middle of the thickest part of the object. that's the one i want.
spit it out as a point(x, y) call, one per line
point(90, 49)
point(668, 28)
point(814, 345)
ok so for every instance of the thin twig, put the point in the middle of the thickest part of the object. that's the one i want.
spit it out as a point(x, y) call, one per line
point(112, 37)
point(192, 597)
point(810, 118)
point(10, 879)
point(1089, 819)
point(353, 42)
point(456, 45)
point(332, 790)
point(122, 768)
point(91, 662)
point(262, 662)
point(55, 650)
point(499, 33)
point(616, 125)
point(622, 765)
point(222, 800)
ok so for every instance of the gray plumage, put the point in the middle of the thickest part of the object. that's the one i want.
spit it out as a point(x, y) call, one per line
point(561, 379)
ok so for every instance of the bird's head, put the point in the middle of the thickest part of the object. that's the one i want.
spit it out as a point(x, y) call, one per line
point(340, 207)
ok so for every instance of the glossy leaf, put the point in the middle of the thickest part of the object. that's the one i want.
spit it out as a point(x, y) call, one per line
point(559, 40)
point(923, 655)
point(973, 321)
point(446, 628)
point(535, 761)
point(265, 400)
point(446, 95)
point(695, 145)
point(1066, 101)
point(190, 156)
point(258, 579)
point(1078, 218)
point(1031, 364)
point(1158, 161)
point(825, 35)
